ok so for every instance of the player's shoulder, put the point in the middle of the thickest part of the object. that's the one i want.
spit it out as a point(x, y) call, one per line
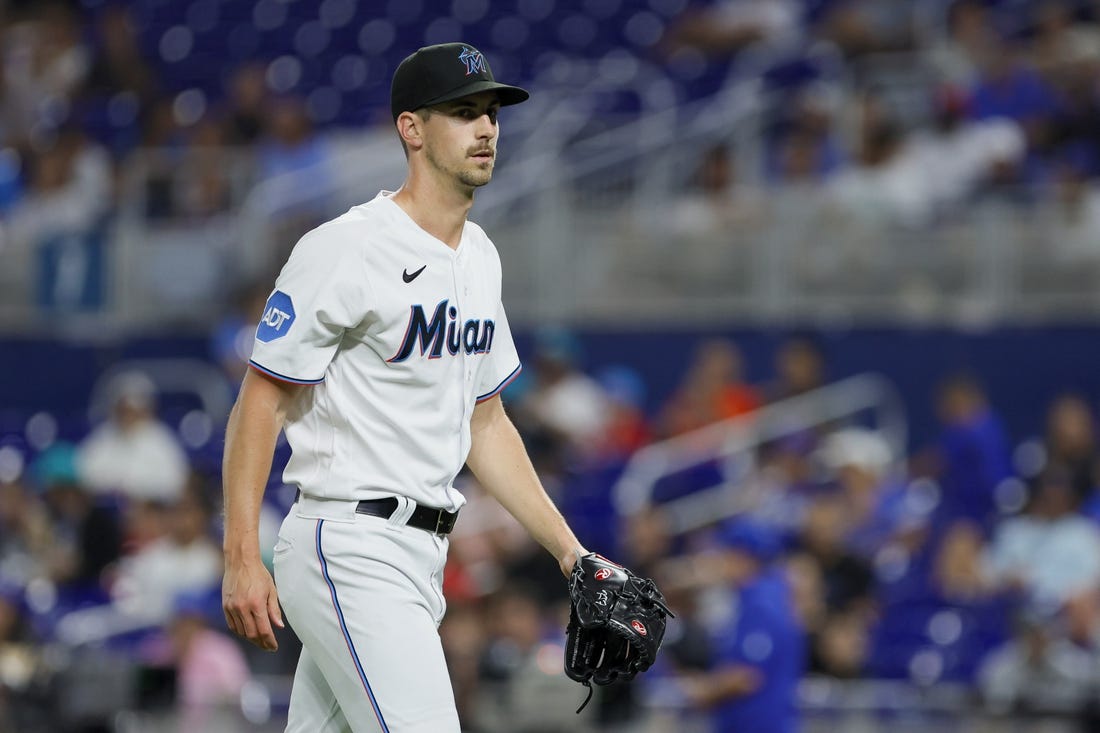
point(476, 233)
point(481, 241)
point(351, 230)
point(378, 210)
point(347, 225)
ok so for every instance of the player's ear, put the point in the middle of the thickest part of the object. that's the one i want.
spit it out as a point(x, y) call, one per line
point(410, 126)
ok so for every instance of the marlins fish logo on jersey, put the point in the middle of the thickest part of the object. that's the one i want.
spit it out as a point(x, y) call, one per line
point(475, 336)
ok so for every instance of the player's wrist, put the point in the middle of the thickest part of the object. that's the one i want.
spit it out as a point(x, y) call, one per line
point(244, 549)
point(239, 558)
point(568, 559)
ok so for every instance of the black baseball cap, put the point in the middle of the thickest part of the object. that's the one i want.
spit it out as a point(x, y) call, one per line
point(440, 73)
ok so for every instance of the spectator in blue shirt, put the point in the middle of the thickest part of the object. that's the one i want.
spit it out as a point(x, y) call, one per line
point(760, 651)
point(974, 454)
point(1013, 90)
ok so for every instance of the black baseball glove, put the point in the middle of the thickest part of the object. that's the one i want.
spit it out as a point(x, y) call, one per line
point(616, 623)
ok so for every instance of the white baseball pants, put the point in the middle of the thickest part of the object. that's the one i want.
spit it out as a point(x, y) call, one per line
point(364, 595)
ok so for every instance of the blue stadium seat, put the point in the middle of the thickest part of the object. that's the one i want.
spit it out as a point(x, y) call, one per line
point(236, 31)
point(959, 634)
point(688, 482)
point(585, 500)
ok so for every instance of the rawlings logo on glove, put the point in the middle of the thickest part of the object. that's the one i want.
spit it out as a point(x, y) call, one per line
point(616, 623)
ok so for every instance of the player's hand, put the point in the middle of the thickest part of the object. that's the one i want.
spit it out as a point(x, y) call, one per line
point(251, 603)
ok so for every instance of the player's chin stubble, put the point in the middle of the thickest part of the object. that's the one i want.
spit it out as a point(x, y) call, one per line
point(472, 173)
point(468, 173)
point(475, 177)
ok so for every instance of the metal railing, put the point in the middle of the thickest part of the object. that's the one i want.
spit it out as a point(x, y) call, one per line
point(733, 444)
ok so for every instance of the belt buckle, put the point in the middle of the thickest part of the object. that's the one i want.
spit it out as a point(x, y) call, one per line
point(445, 522)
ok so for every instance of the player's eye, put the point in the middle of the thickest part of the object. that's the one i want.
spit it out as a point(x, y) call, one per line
point(469, 113)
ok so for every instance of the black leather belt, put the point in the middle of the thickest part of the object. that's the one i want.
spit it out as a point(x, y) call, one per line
point(437, 521)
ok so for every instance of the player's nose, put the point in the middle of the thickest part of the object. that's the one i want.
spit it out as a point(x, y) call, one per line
point(486, 128)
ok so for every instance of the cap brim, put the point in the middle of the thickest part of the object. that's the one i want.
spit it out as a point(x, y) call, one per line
point(506, 93)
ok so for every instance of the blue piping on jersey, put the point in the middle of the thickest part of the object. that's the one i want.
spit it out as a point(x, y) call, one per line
point(344, 629)
point(283, 377)
point(500, 387)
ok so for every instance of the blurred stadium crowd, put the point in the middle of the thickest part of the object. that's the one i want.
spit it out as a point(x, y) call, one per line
point(180, 109)
point(975, 560)
point(977, 564)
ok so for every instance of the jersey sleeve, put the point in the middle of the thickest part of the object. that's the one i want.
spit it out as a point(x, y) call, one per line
point(501, 363)
point(321, 291)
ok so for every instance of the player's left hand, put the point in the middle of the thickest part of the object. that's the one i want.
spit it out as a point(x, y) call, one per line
point(616, 622)
point(251, 603)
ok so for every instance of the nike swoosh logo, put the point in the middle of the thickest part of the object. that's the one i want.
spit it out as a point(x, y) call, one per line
point(409, 278)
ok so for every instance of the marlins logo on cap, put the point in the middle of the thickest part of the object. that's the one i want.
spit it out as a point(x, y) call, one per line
point(441, 73)
point(473, 59)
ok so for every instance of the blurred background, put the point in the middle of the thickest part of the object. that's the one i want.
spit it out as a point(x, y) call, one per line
point(806, 293)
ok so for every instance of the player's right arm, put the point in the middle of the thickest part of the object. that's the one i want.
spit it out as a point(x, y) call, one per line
point(248, 592)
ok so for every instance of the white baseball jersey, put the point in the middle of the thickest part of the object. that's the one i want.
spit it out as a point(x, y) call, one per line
point(402, 336)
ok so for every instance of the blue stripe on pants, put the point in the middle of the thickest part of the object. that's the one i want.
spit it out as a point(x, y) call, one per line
point(344, 629)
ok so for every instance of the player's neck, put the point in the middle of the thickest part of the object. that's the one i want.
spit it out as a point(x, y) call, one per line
point(438, 209)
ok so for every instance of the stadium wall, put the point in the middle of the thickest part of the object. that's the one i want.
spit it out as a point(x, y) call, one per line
point(1022, 367)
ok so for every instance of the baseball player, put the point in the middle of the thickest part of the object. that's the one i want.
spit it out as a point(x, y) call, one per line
point(382, 353)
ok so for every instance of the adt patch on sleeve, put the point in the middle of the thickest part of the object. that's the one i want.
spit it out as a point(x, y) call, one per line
point(278, 317)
